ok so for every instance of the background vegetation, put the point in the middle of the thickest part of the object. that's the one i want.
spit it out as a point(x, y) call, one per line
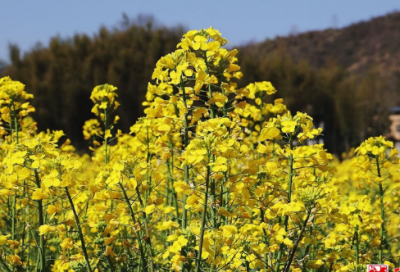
point(345, 78)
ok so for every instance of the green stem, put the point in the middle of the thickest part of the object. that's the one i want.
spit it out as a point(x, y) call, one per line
point(13, 216)
point(210, 94)
point(4, 264)
point(14, 201)
point(212, 181)
point(186, 167)
point(381, 193)
point(290, 181)
point(14, 121)
point(79, 230)
point(24, 213)
point(357, 247)
point(105, 139)
point(247, 266)
point(261, 112)
point(224, 106)
point(213, 199)
point(42, 242)
point(307, 249)
point(168, 200)
point(330, 267)
point(221, 198)
point(290, 259)
point(174, 194)
point(212, 111)
point(203, 219)
point(27, 233)
point(142, 257)
point(146, 227)
point(265, 235)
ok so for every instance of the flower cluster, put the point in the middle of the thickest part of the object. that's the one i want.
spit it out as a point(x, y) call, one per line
point(13, 105)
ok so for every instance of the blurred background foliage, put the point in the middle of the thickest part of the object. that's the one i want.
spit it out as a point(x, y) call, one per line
point(345, 78)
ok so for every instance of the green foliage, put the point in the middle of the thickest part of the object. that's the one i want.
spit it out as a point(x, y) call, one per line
point(344, 78)
point(349, 106)
point(62, 75)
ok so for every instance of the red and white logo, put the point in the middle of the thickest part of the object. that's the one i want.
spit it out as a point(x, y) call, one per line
point(378, 268)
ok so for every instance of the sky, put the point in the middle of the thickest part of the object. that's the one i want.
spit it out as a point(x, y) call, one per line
point(26, 22)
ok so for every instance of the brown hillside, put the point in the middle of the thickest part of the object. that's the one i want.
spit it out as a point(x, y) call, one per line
point(357, 47)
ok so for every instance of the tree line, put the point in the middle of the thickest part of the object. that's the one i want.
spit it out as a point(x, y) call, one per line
point(349, 106)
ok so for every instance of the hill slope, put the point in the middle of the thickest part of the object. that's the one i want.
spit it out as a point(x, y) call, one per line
point(345, 78)
point(357, 47)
